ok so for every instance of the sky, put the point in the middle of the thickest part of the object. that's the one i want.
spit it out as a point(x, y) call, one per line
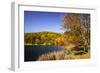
point(35, 21)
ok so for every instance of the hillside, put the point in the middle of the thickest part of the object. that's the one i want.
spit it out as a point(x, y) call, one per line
point(41, 38)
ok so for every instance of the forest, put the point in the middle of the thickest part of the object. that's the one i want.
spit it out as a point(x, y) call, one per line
point(42, 38)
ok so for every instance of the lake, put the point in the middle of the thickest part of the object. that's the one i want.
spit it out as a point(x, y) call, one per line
point(31, 53)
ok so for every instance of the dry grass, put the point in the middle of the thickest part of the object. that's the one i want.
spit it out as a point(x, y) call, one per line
point(81, 56)
point(63, 55)
point(52, 56)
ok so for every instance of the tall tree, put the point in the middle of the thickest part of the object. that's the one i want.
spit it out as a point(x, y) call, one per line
point(78, 25)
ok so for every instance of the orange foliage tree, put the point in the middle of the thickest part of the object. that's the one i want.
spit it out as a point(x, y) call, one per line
point(60, 41)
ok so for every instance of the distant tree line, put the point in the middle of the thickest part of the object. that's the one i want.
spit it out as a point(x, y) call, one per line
point(42, 38)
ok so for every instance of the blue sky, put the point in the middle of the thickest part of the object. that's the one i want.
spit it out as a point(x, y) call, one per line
point(36, 21)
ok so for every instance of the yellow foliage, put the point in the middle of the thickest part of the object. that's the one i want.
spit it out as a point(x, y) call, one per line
point(60, 41)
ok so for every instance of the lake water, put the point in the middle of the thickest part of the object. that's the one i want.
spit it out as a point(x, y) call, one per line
point(31, 53)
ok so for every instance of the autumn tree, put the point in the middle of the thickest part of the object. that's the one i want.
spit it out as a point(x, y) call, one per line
point(60, 41)
point(79, 26)
point(85, 25)
point(28, 38)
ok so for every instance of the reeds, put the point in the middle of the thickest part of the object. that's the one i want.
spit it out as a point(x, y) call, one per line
point(52, 56)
